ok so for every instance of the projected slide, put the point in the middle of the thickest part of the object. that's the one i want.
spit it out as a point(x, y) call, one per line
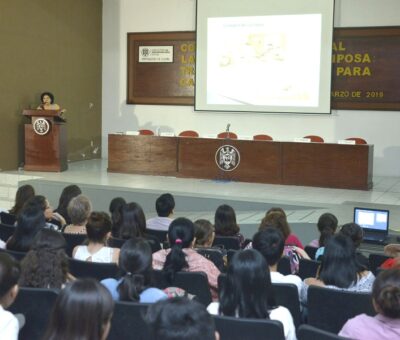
point(264, 60)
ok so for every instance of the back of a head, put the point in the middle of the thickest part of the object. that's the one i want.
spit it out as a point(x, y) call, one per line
point(339, 265)
point(180, 236)
point(354, 231)
point(98, 226)
point(247, 291)
point(180, 319)
point(79, 209)
point(24, 193)
point(278, 220)
point(9, 273)
point(135, 261)
point(327, 225)
point(46, 264)
point(68, 193)
point(82, 311)
point(225, 221)
point(386, 293)
point(165, 205)
point(204, 231)
point(133, 222)
point(37, 201)
point(270, 243)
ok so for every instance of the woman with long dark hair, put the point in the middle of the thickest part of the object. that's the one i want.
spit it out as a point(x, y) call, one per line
point(340, 269)
point(133, 221)
point(248, 293)
point(24, 193)
point(225, 223)
point(83, 311)
point(182, 256)
point(115, 210)
point(68, 193)
point(135, 262)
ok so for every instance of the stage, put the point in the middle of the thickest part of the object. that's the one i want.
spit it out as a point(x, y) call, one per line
point(197, 198)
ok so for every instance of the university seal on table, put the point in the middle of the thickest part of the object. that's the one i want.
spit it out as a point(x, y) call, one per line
point(41, 126)
point(227, 158)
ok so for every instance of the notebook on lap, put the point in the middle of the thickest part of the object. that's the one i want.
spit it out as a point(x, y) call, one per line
point(375, 223)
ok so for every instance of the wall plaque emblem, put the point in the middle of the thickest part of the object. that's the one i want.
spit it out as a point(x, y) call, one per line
point(227, 158)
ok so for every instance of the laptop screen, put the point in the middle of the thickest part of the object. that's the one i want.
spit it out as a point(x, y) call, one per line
point(375, 220)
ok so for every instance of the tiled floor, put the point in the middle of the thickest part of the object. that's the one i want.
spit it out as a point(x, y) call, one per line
point(314, 201)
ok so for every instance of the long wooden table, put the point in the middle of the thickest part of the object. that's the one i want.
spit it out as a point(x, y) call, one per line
point(290, 163)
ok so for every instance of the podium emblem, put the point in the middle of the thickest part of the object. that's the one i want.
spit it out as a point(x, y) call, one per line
point(227, 158)
point(41, 126)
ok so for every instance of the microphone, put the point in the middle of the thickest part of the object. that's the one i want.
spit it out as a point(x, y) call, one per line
point(227, 127)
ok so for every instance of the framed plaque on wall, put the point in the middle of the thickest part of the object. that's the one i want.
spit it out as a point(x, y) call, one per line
point(161, 68)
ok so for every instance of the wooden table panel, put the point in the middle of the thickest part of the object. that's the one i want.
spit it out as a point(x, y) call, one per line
point(142, 154)
point(327, 165)
point(259, 160)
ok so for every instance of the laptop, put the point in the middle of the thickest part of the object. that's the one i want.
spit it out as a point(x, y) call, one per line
point(374, 222)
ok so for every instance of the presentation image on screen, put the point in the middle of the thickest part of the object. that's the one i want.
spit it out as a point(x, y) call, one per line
point(263, 52)
point(376, 220)
point(264, 56)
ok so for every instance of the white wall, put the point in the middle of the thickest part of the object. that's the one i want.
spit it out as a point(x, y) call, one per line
point(122, 16)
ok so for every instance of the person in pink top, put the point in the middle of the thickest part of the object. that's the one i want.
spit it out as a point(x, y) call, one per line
point(386, 300)
point(182, 256)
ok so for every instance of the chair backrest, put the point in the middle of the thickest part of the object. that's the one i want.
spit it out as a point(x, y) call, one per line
point(315, 139)
point(284, 266)
point(128, 323)
point(6, 231)
point(160, 234)
point(18, 255)
point(262, 137)
point(228, 242)
point(99, 271)
point(73, 240)
point(308, 268)
point(36, 305)
point(311, 251)
point(214, 255)
point(229, 255)
point(146, 132)
point(114, 242)
point(7, 218)
point(189, 133)
point(195, 283)
point(287, 295)
point(307, 332)
point(231, 328)
point(329, 309)
point(375, 261)
point(358, 140)
point(153, 241)
point(230, 135)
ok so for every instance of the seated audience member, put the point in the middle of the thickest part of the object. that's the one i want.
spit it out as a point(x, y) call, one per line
point(392, 250)
point(182, 256)
point(46, 264)
point(135, 262)
point(248, 292)
point(356, 234)
point(270, 243)
point(180, 319)
point(29, 221)
point(98, 230)
point(68, 193)
point(53, 219)
point(79, 209)
point(133, 223)
point(83, 311)
point(327, 225)
point(115, 210)
point(204, 233)
point(9, 275)
point(225, 223)
point(340, 269)
point(24, 193)
point(386, 300)
point(165, 205)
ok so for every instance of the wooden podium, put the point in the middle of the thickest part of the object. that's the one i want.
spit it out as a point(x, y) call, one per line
point(45, 141)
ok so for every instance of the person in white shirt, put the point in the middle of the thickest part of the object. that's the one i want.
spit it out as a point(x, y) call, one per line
point(9, 276)
point(165, 205)
point(248, 293)
point(270, 243)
